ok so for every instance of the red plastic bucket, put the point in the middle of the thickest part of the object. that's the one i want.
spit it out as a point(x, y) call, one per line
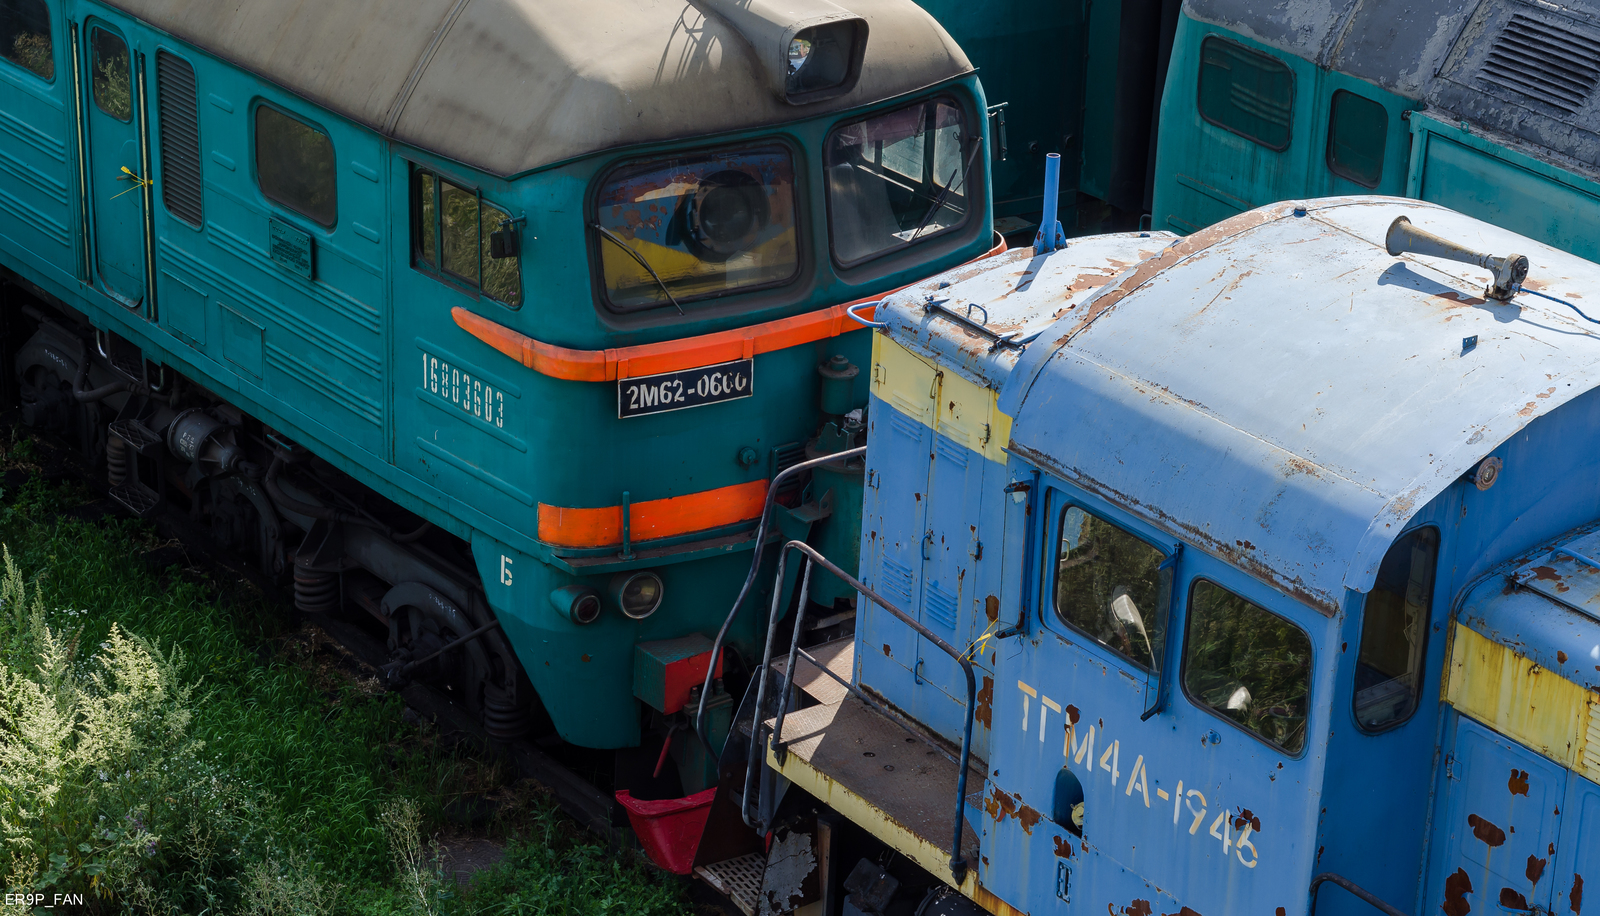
point(669, 829)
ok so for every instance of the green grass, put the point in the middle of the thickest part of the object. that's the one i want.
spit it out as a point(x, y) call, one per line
point(273, 794)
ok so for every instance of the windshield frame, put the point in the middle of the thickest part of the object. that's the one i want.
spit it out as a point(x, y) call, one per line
point(596, 242)
point(977, 173)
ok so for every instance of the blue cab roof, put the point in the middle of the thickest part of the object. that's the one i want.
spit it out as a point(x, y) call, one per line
point(1276, 389)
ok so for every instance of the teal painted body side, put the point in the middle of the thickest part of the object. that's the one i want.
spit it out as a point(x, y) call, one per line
point(1029, 56)
point(1205, 173)
point(341, 362)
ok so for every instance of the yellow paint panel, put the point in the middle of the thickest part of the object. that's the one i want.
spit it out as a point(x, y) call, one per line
point(1522, 700)
point(933, 859)
point(962, 411)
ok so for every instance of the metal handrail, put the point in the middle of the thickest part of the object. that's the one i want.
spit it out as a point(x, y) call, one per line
point(958, 864)
point(750, 578)
point(1354, 888)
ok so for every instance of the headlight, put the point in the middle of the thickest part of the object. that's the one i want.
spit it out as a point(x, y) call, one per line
point(708, 223)
point(638, 594)
point(725, 214)
point(824, 60)
point(577, 603)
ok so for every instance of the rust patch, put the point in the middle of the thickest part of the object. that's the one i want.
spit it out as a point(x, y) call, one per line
point(1063, 848)
point(1561, 657)
point(983, 711)
point(991, 608)
point(1518, 783)
point(1245, 544)
point(1546, 573)
point(1001, 806)
point(886, 650)
point(1512, 900)
point(1183, 912)
point(1491, 835)
point(1535, 869)
point(1028, 817)
point(1137, 908)
point(1172, 254)
point(1575, 898)
point(584, 657)
point(1072, 714)
point(1456, 889)
point(1280, 911)
point(1246, 817)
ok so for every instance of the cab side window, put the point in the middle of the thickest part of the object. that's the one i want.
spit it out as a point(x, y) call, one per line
point(1358, 128)
point(451, 229)
point(1112, 586)
point(1394, 631)
point(1246, 92)
point(295, 165)
point(25, 36)
point(1248, 665)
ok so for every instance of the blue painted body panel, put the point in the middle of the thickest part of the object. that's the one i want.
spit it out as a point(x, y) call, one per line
point(1155, 400)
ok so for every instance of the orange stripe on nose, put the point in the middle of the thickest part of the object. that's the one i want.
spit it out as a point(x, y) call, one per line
point(655, 518)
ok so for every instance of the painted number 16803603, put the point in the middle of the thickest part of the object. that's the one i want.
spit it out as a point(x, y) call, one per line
point(637, 397)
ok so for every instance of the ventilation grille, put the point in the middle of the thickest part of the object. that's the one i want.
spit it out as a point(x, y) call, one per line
point(180, 138)
point(1554, 65)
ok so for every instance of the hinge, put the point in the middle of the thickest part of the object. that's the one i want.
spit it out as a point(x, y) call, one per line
point(977, 549)
point(986, 434)
point(1450, 767)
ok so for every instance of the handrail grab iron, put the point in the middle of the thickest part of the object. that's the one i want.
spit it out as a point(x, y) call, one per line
point(1340, 881)
point(958, 864)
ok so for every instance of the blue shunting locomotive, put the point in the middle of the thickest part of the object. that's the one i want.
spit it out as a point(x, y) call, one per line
point(1273, 554)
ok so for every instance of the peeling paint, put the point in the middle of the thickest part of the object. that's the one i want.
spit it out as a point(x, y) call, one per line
point(1028, 817)
point(1512, 900)
point(1518, 783)
point(1575, 896)
point(1456, 889)
point(1490, 834)
point(789, 863)
point(1064, 848)
point(984, 712)
point(1535, 869)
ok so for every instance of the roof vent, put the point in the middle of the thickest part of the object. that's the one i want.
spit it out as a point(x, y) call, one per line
point(1555, 65)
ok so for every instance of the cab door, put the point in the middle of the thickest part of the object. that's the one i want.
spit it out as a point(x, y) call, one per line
point(1496, 834)
point(116, 164)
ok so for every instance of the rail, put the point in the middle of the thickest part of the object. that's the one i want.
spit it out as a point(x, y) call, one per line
point(1365, 895)
point(958, 864)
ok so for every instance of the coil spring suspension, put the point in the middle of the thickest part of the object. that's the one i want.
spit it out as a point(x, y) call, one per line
point(315, 591)
point(502, 718)
point(116, 461)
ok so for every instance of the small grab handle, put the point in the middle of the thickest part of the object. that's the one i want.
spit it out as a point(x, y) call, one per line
point(851, 311)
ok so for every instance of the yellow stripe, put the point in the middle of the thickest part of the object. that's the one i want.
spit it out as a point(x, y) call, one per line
point(1522, 700)
point(966, 413)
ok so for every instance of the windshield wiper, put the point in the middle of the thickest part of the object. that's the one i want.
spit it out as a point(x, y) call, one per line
point(938, 202)
point(607, 233)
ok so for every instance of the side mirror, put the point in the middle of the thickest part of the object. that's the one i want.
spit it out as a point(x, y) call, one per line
point(504, 243)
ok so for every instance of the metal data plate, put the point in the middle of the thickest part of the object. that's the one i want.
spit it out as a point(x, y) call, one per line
point(648, 394)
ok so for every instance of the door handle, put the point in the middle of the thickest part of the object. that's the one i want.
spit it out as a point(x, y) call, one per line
point(128, 175)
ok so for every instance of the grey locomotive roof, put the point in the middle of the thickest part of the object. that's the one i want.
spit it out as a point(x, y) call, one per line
point(512, 85)
point(1523, 69)
point(1278, 390)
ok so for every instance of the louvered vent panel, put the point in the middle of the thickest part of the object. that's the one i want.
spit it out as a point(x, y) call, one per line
point(180, 138)
point(1557, 66)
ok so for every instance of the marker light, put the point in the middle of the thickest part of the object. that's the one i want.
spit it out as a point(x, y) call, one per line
point(637, 594)
point(577, 603)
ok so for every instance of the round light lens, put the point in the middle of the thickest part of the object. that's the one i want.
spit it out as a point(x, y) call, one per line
point(799, 53)
point(586, 609)
point(637, 594)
